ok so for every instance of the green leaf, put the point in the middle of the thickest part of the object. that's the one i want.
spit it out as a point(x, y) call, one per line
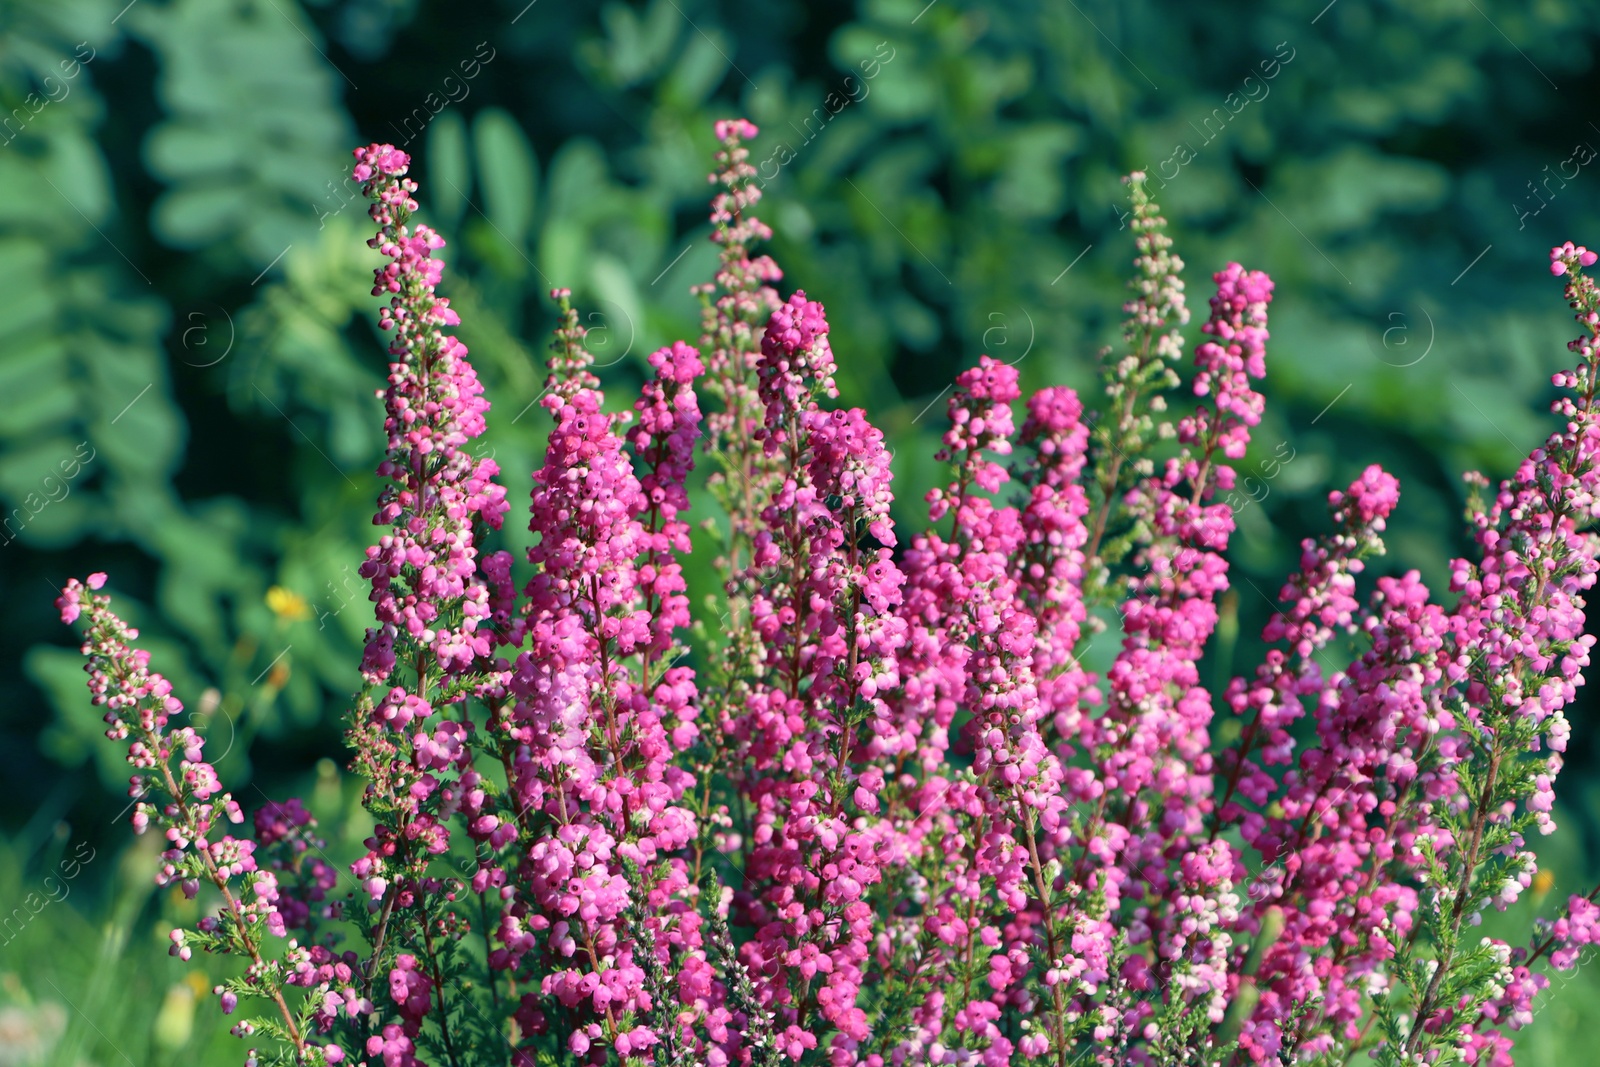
point(449, 169)
point(508, 174)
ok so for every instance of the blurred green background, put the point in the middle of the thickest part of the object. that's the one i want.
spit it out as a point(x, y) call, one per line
point(188, 356)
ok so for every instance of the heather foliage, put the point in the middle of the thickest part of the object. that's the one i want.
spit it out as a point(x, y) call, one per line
point(879, 812)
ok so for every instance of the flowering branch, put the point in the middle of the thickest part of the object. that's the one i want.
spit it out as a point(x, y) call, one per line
point(882, 812)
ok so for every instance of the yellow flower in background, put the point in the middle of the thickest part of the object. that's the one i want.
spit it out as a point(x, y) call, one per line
point(1543, 882)
point(287, 605)
point(174, 1022)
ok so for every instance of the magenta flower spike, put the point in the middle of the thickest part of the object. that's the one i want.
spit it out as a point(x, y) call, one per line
point(956, 795)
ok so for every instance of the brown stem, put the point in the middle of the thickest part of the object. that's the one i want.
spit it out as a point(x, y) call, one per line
point(155, 745)
point(1458, 909)
point(1037, 869)
point(1550, 941)
point(378, 942)
point(438, 981)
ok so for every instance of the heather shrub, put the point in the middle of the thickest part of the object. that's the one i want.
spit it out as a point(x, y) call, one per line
point(870, 806)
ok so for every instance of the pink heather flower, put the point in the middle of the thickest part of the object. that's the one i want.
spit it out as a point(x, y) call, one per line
point(410, 988)
point(1317, 600)
point(890, 817)
point(434, 405)
point(796, 368)
point(830, 637)
point(394, 1047)
point(669, 419)
point(1227, 363)
point(736, 308)
point(592, 775)
point(1155, 733)
point(177, 791)
point(1574, 932)
point(432, 598)
point(1563, 256)
point(275, 822)
point(735, 129)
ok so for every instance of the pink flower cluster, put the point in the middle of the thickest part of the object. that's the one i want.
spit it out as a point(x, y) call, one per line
point(175, 790)
point(878, 811)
